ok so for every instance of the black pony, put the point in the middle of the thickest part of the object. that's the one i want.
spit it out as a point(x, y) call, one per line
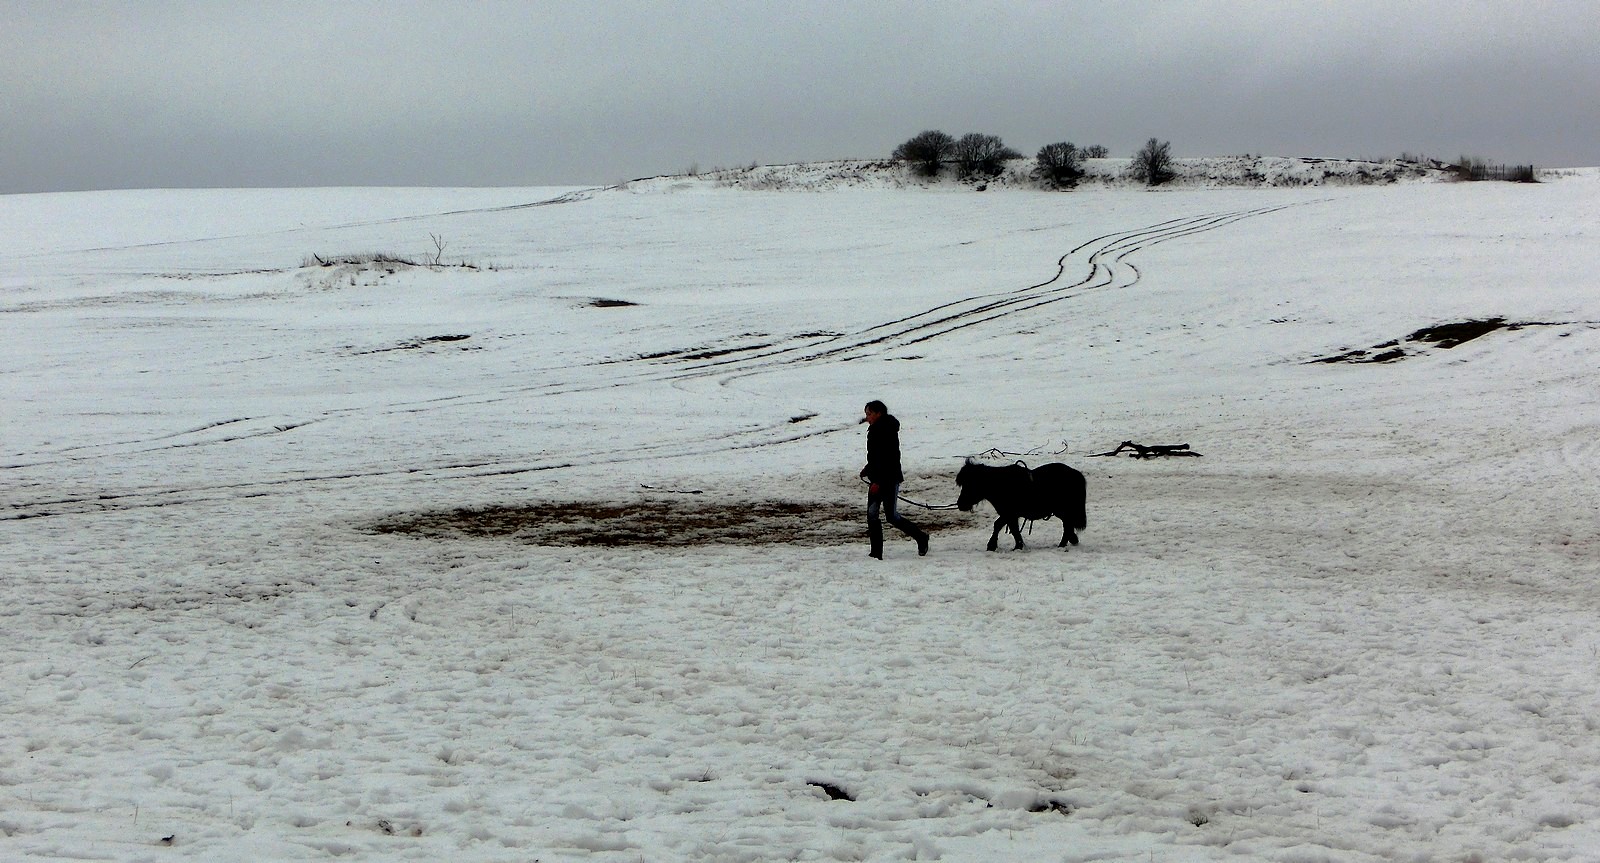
point(1017, 492)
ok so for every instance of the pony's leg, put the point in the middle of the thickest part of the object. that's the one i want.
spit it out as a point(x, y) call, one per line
point(994, 538)
point(1016, 531)
point(1068, 535)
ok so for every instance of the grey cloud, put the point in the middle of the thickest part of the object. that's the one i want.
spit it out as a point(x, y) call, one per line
point(348, 93)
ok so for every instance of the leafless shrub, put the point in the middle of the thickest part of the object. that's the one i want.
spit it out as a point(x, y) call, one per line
point(925, 152)
point(1153, 163)
point(367, 259)
point(1060, 164)
point(977, 154)
point(359, 259)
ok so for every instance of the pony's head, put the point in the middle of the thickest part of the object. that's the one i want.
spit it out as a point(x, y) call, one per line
point(970, 491)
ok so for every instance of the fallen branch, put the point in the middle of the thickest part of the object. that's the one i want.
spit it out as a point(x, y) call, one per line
point(1153, 451)
point(996, 452)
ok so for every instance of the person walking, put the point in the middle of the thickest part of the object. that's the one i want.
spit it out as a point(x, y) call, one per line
point(883, 473)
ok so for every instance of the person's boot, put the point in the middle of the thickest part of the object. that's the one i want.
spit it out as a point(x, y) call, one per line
point(875, 536)
point(916, 533)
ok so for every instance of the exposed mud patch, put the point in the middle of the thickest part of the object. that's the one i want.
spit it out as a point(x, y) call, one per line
point(834, 792)
point(1450, 335)
point(664, 523)
point(1383, 353)
point(410, 344)
point(746, 343)
point(1442, 336)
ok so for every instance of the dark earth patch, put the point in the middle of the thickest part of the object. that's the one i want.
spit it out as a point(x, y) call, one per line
point(711, 352)
point(1450, 335)
point(603, 303)
point(665, 523)
point(413, 344)
point(1363, 356)
point(723, 352)
point(833, 791)
point(1443, 336)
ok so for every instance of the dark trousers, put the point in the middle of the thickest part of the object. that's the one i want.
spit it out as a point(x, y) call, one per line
point(886, 500)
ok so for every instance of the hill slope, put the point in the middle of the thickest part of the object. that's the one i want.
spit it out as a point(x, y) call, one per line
point(563, 558)
point(1218, 172)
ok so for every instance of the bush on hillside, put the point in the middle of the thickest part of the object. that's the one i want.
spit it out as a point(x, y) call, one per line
point(1153, 163)
point(977, 154)
point(926, 152)
point(1060, 164)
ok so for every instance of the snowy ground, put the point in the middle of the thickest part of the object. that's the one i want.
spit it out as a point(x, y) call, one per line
point(281, 580)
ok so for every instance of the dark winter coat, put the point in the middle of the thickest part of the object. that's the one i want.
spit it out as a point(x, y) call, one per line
point(883, 452)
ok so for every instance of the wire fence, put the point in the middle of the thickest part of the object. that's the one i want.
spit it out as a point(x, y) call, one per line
point(1508, 173)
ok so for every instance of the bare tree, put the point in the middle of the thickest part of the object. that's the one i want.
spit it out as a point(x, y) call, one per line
point(979, 154)
point(1094, 151)
point(1060, 163)
point(1153, 164)
point(926, 152)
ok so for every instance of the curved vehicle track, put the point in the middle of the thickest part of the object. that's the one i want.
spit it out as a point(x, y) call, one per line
point(140, 498)
point(1107, 269)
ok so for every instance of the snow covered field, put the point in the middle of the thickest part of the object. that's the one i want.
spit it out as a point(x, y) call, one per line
point(284, 573)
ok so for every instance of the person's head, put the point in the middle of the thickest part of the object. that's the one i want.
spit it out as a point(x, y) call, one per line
point(874, 410)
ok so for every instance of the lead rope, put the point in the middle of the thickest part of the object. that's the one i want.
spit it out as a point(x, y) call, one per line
point(903, 499)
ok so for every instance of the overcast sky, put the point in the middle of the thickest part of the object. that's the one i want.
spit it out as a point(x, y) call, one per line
point(170, 93)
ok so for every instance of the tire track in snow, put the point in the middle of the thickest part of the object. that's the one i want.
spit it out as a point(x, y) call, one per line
point(571, 197)
point(1108, 269)
point(228, 431)
point(141, 498)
